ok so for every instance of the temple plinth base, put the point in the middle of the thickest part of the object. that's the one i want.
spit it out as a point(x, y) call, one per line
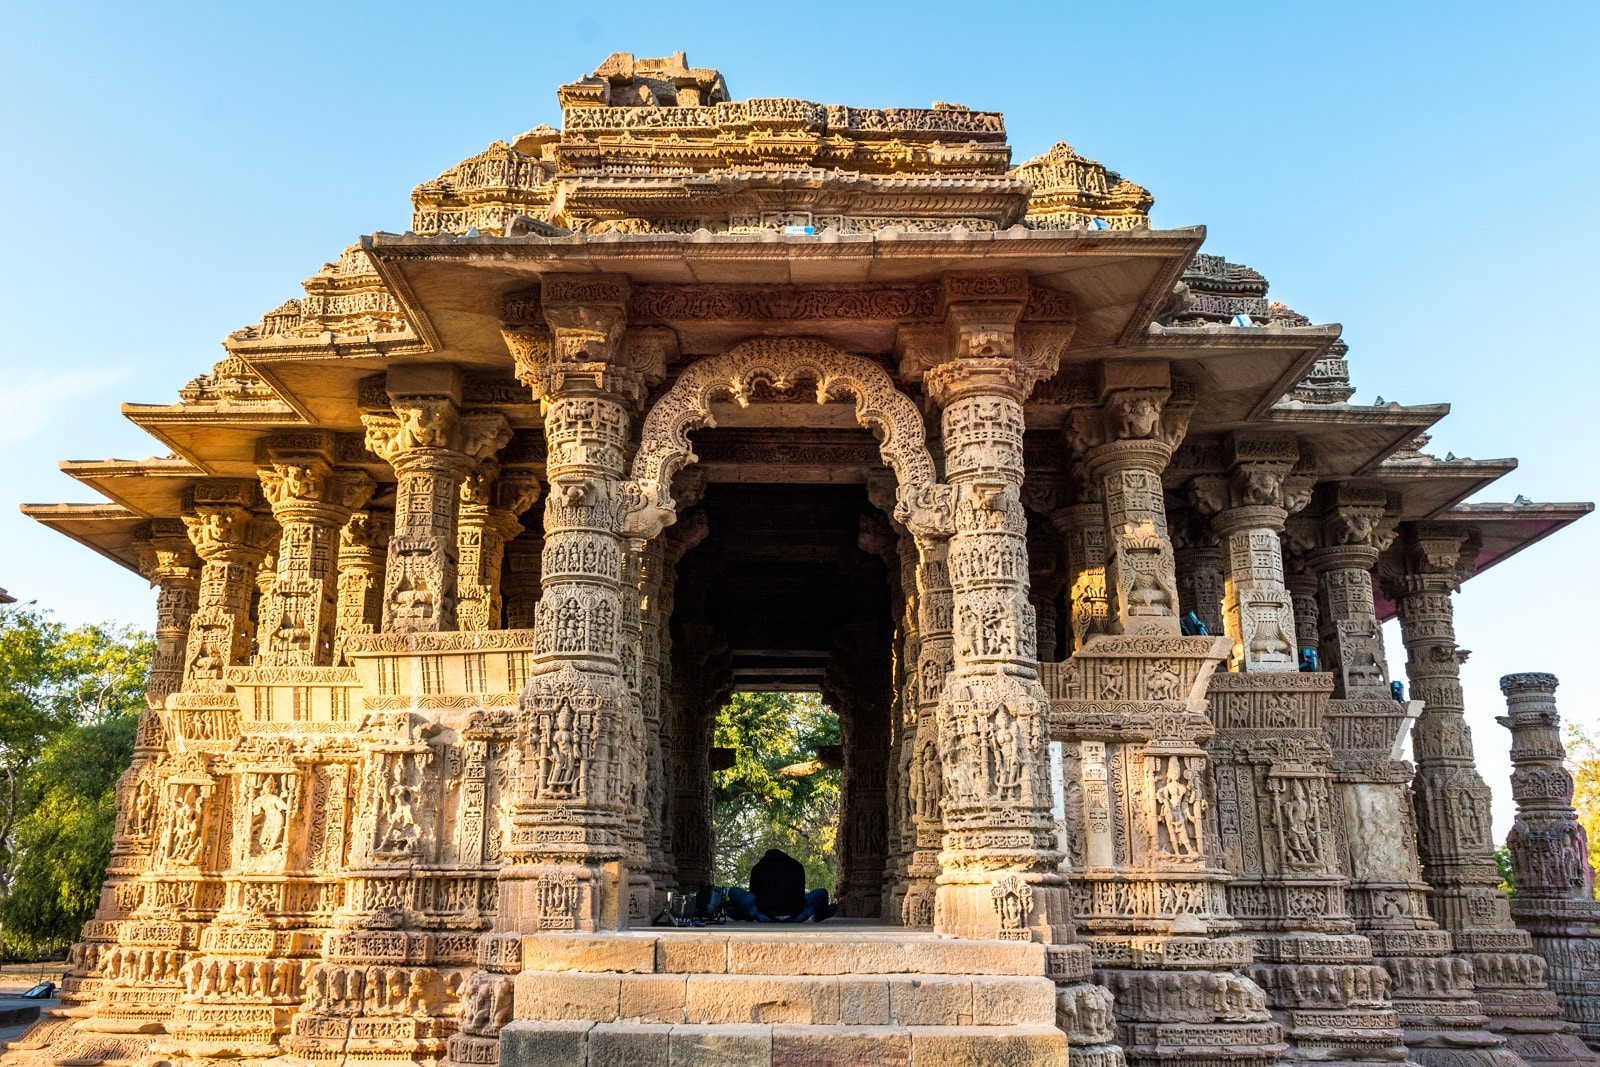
point(838, 993)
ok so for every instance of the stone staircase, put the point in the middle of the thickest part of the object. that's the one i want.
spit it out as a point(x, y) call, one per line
point(740, 995)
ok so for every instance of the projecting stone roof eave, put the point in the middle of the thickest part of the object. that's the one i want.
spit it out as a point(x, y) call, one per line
point(213, 438)
point(1352, 440)
point(150, 488)
point(450, 287)
point(1429, 487)
point(1503, 531)
point(108, 529)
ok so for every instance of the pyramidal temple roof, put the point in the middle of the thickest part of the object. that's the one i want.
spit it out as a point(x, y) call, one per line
point(655, 146)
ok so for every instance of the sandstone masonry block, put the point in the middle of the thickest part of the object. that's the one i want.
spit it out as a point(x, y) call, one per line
point(629, 1045)
point(580, 952)
point(726, 999)
point(880, 1046)
point(1006, 1001)
point(931, 1000)
point(1019, 1046)
point(568, 995)
point(655, 998)
point(538, 1044)
point(722, 1046)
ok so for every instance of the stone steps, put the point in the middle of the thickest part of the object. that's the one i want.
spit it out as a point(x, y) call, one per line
point(702, 997)
point(587, 1044)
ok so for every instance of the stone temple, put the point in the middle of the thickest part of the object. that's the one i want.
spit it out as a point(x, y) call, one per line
point(458, 553)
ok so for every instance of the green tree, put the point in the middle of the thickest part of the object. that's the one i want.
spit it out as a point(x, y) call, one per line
point(70, 700)
point(776, 794)
point(1583, 760)
point(1502, 863)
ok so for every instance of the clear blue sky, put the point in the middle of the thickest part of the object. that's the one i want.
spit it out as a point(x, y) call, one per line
point(1422, 173)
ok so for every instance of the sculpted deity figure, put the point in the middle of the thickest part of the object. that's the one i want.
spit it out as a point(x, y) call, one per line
point(1005, 735)
point(269, 818)
point(185, 846)
point(142, 809)
point(1298, 819)
point(399, 809)
point(1180, 809)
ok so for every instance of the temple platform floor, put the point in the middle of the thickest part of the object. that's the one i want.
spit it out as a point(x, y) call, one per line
point(755, 993)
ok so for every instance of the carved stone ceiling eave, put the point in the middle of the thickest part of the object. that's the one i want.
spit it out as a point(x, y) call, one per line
point(108, 529)
point(308, 375)
point(1503, 530)
point(1238, 375)
point(451, 287)
point(148, 488)
point(1351, 439)
point(1430, 487)
point(218, 444)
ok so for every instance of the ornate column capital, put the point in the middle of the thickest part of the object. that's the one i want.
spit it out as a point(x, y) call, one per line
point(570, 338)
point(225, 524)
point(167, 554)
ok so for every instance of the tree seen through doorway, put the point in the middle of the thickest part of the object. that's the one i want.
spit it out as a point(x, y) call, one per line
point(777, 794)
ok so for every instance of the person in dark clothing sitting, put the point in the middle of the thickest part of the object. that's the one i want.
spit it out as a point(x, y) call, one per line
point(777, 893)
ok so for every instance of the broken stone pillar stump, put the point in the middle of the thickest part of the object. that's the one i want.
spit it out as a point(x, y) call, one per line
point(1554, 901)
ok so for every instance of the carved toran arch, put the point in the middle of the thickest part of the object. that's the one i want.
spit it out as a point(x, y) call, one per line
point(664, 447)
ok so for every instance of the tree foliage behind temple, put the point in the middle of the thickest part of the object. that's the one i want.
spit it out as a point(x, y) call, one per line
point(70, 700)
point(755, 805)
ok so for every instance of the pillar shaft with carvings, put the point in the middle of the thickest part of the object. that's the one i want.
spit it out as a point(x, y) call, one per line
point(520, 585)
point(1249, 506)
point(1126, 443)
point(1355, 532)
point(1000, 860)
point(1083, 534)
point(491, 501)
point(1202, 567)
point(231, 540)
point(1555, 900)
point(1454, 835)
point(312, 503)
point(168, 560)
point(363, 551)
point(582, 782)
point(432, 446)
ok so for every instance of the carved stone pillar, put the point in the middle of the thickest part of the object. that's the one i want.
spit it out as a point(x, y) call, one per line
point(1248, 509)
point(1140, 801)
point(520, 583)
point(1453, 812)
point(432, 446)
point(491, 501)
point(1555, 900)
point(1000, 862)
point(1126, 444)
point(1300, 538)
point(167, 558)
point(1354, 535)
point(925, 787)
point(1083, 533)
point(1045, 578)
point(1430, 989)
point(232, 540)
point(1201, 566)
point(312, 503)
point(582, 768)
point(363, 552)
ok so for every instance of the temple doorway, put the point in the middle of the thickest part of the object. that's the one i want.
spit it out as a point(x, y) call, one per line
point(775, 784)
point(782, 635)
